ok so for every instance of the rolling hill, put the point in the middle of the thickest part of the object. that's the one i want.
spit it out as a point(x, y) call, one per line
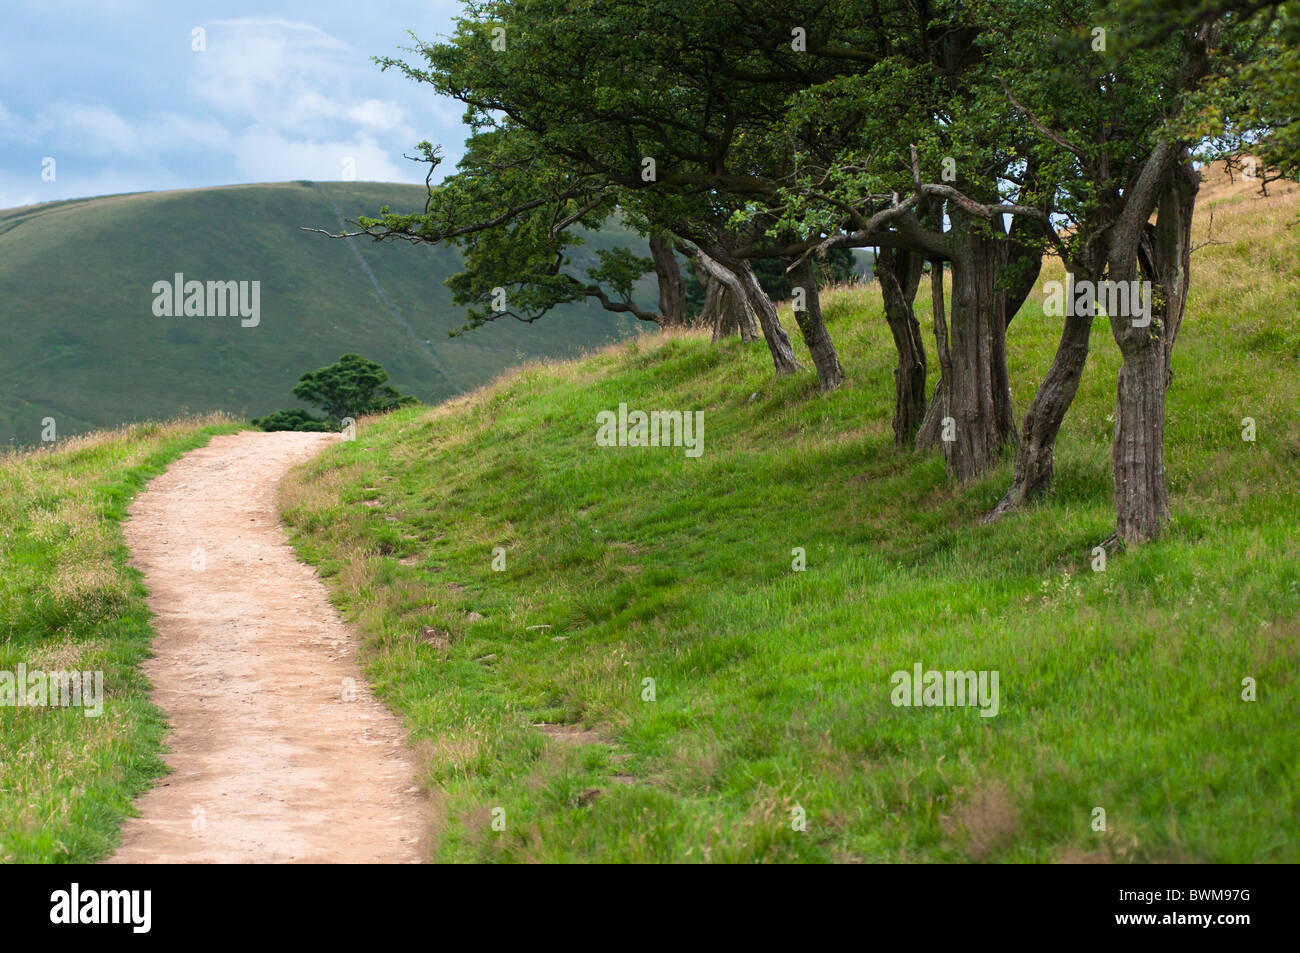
point(691, 659)
point(82, 344)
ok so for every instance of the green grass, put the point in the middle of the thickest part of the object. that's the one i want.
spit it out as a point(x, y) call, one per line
point(68, 601)
point(84, 346)
point(1119, 689)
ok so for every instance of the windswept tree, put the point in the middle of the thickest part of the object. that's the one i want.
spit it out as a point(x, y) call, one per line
point(909, 155)
point(965, 137)
point(657, 107)
point(1117, 124)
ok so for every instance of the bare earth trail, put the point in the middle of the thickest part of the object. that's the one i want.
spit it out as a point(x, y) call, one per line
point(254, 668)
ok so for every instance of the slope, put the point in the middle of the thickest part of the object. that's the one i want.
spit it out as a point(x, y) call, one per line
point(649, 677)
point(82, 345)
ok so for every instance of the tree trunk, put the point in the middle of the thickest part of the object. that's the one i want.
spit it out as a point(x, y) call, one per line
point(1004, 414)
point(729, 314)
point(932, 423)
point(1020, 261)
point(900, 275)
point(749, 330)
point(714, 313)
point(978, 432)
point(1034, 458)
point(672, 289)
point(1138, 455)
point(813, 327)
point(739, 277)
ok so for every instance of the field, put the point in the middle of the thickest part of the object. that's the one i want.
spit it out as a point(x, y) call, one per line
point(768, 697)
point(619, 654)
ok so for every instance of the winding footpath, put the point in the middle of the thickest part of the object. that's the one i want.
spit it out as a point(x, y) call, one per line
point(279, 751)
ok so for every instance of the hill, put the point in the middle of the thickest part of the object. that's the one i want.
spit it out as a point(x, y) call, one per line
point(647, 677)
point(84, 346)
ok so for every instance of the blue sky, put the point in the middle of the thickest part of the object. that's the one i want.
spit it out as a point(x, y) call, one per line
point(115, 94)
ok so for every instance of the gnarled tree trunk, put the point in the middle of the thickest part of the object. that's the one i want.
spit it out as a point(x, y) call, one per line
point(672, 289)
point(932, 423)
point(899, 273)
point(813, 327)
point(1138, 455)
point(977, 326)
point(1035, 457)
point(726, 313)
point(740, 279)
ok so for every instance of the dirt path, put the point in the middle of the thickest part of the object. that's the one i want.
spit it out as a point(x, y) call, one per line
point(253, 668)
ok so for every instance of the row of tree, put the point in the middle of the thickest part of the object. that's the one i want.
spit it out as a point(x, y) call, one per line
point(958, 137)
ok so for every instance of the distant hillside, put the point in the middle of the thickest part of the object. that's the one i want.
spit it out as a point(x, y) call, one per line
point(82, 344)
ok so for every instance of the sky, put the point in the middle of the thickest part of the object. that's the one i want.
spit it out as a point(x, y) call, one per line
point(116, 95)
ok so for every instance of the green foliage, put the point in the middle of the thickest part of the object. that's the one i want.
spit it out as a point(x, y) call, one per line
point(295, 419)
point(619, 270)
point(350, 387)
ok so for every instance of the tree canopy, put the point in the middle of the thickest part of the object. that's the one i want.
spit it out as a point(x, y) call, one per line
point(963, 138)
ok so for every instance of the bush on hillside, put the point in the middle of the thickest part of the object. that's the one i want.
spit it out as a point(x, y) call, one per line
point(350, 387)
point(293, 420)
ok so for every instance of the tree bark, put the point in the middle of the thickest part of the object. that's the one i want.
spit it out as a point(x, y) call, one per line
point(899, 273)
point(715, 313)
point(739, 277)
point(932, 423)
point(726, 313)
point(1035, 462)
point(1138, 455)
point(813, 327)
point(977, 327)
point(672, 288)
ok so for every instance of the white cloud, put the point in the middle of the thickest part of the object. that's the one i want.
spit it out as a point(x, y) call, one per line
point(288, 75)
point(264, 155)
point(377, 114)
point(268, 99)
point(101, 132)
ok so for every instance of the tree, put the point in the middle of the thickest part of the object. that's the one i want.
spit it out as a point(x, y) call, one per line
point(350, 387)
point(1115, 128)
point(674, 125)
point(295, 419)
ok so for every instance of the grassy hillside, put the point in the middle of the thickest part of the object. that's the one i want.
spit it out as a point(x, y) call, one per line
point(1118, 689)
point(68, 601)
point(83, 345)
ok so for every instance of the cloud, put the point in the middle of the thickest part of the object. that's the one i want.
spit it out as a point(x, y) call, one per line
point(268, 98)
point(264, 155)
point(288, 75)
point(377, 114)
point(99, 131)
